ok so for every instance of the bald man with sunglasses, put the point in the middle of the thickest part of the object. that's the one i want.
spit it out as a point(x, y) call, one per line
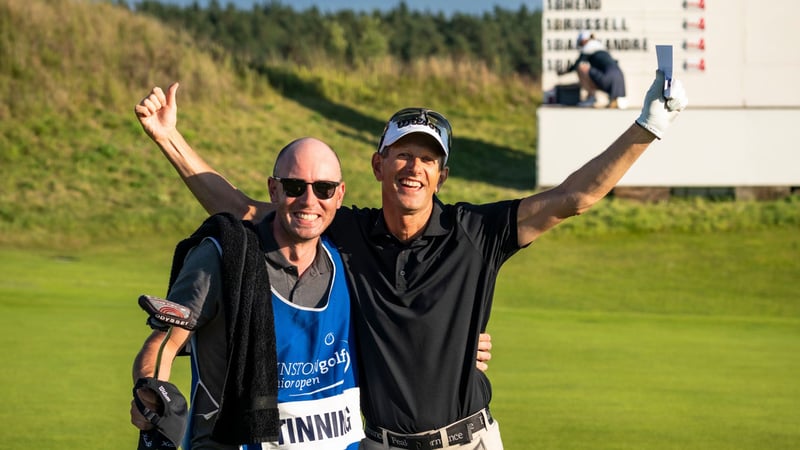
point(424, 272)
point(317, 393)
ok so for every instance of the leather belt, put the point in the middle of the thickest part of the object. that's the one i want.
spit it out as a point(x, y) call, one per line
point(457, 433)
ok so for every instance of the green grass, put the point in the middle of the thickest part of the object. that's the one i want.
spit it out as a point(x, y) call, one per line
point(746, 273)
point(579, 380)
point(596, 344)
point(655, 340)
point(70, 331)
point(77, 165)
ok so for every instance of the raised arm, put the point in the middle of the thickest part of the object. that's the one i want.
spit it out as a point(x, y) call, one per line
point(594, 180)
point(157, 114)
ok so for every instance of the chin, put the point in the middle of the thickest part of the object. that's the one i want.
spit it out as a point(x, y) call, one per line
point(306, 234)
point(414, 198)
point(412, 206)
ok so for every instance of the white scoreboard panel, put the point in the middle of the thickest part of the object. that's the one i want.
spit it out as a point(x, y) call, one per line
point(729, 53)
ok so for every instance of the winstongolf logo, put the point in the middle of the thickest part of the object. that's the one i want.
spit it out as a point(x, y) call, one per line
point(320, 366)
point(299, 375)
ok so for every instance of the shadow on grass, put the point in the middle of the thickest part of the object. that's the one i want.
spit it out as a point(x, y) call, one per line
point(474, 159)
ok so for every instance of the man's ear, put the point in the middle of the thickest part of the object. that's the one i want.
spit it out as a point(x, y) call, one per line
point(272, 185)
point(442, 177)
point(340, 195)
point(377, 168)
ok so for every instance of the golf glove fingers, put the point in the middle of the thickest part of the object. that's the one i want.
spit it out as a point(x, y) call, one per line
point(657, 111)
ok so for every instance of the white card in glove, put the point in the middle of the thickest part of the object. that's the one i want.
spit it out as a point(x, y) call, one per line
point(664, 55)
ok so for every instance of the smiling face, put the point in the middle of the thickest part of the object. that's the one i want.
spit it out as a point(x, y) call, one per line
point(410, 172)
point(303, 218)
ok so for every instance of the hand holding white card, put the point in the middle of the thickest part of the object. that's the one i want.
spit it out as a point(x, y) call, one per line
point(658, 111)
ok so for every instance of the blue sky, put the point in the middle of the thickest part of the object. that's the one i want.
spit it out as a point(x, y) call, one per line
point(448, 7)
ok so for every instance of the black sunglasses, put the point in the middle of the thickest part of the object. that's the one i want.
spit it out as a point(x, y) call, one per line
point(295, 187)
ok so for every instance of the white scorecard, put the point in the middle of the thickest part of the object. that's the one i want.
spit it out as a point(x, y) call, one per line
point(664, 55)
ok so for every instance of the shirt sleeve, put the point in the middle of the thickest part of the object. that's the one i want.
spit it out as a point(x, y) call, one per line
point(343, 224)
point(199, 283)
point(492, 227)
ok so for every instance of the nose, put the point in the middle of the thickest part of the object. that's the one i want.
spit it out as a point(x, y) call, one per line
point(413, 162)
point(306, 196)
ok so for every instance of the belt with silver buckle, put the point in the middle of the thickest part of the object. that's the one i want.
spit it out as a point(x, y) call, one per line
point(457, 433)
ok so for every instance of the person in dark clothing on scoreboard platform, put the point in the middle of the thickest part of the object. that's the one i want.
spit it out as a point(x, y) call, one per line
point(597, 70)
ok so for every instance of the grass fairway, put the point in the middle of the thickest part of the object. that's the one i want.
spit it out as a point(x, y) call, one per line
point(680, 341)
point(620, 381)
point(71, 327)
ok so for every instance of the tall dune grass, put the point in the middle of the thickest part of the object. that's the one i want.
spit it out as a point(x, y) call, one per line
point(77, 167)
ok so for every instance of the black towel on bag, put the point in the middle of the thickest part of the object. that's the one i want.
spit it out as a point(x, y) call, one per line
point(248, 407)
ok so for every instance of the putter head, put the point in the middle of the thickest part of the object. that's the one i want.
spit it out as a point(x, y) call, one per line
point(164, 313)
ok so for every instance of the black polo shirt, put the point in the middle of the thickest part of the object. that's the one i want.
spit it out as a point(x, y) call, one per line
point(420, 307)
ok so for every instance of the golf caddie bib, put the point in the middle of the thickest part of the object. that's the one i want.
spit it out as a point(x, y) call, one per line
point(318, 397)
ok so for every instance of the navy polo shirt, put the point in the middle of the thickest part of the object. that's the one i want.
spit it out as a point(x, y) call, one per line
point(420, 306)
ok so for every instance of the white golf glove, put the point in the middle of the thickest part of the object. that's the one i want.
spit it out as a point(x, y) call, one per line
point(658, 112)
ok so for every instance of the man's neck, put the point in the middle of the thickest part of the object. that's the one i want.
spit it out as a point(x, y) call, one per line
point(407, 225)
point(299, 254)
